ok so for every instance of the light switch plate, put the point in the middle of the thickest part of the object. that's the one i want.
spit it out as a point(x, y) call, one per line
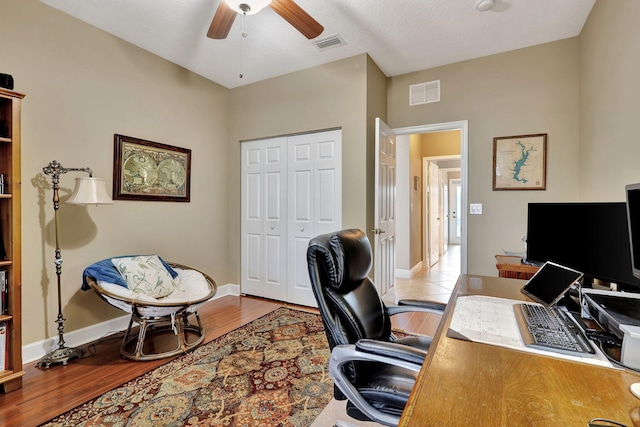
point(475, 208)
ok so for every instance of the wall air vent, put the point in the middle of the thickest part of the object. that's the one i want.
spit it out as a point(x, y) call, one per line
point(329, 42)
point(424, 93)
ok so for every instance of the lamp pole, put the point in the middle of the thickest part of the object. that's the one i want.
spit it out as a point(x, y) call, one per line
point(62, 354)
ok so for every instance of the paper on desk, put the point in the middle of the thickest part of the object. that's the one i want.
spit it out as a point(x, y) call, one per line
point(492, 320)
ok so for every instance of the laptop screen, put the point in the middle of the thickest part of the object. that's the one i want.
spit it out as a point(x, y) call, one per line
point(550, 283)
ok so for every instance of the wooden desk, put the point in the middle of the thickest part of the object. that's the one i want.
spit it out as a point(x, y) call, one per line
point(471, 384)
point(512, 267)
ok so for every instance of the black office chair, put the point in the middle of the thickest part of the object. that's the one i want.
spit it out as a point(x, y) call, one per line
point(369, 366)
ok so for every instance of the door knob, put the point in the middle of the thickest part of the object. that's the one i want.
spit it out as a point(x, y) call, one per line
point(378, 231)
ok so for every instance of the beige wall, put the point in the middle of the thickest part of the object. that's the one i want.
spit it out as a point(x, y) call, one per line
point(323, 97)
point(609, 93)
point(82, 85)
point(415, 198)
point(532, 90)
point(440, 143)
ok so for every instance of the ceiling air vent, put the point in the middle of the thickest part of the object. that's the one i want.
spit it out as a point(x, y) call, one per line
point(424, 93)
point(329, 42)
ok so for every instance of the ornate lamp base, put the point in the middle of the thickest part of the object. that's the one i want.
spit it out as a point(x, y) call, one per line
point(60, 355)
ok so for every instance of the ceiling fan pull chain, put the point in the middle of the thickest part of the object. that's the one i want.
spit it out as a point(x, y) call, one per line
point(244, 36)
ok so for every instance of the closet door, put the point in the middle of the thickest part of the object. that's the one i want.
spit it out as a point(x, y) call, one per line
point(315, 203)
point(264, 218)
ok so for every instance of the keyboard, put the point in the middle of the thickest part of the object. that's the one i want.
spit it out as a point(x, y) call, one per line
point(552, 330)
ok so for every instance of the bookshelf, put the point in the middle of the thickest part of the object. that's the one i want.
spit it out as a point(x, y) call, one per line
point(10, 222)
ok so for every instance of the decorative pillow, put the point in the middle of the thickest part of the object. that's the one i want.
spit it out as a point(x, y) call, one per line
point(145, 274)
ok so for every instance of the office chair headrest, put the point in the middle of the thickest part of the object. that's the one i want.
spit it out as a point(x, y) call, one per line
point(346, 258)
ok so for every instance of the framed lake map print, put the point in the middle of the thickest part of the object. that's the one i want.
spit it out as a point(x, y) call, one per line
point(520, 162)
point(146, 170)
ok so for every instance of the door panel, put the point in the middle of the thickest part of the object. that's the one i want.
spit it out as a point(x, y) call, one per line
point(385, 208)
point(315, 172)
point(263, 249)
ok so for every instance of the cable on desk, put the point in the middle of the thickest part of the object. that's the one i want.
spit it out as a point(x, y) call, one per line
point(597, 422)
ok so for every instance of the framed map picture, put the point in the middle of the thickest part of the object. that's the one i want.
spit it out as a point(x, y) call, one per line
point(520, 162)
point(145, 170)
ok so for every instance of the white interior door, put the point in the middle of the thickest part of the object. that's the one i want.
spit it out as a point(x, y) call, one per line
point(264, 218)
point(384, 260)
point(434, 214)
point(454, 209)
point(315, 203)
point(445, 211)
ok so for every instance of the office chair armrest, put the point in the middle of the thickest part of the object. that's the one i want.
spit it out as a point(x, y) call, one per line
point(391, 349)
point(422, 303)
point(405, 306)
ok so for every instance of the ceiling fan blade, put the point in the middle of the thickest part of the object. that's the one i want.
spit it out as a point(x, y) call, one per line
point(296, 16)
point(222, 21)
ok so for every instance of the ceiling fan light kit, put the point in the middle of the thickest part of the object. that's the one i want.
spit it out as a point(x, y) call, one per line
point(248, 7)
point(287, 9)
point(483, 5)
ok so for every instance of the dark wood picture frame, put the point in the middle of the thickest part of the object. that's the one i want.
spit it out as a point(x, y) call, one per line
point(520, 162)
point(146, 170)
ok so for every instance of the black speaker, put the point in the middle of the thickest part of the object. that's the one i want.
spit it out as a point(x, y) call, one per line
point(6, 81)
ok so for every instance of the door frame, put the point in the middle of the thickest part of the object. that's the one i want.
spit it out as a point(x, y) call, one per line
point(463, 127)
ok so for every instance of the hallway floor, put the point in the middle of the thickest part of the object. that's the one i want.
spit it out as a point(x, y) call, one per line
point(434, 284)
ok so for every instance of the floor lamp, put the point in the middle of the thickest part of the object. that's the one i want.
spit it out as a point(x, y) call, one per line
point(88, 191)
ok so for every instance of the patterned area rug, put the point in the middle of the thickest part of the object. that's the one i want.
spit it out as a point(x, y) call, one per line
point(270, 372)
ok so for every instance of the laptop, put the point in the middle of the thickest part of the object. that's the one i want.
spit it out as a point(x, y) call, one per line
point(550, 283)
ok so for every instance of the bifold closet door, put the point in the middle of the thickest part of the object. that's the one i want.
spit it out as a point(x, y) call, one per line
point(314, 193)
point(264, 218)
point(291, 192)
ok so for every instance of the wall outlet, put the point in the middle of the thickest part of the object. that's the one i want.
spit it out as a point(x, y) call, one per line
point(475, 208)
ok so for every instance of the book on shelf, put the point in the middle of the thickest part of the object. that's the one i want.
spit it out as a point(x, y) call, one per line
point(4, 347)
point(4, 292)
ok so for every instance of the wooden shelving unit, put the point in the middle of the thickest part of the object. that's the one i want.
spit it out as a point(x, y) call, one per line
point(10, 222)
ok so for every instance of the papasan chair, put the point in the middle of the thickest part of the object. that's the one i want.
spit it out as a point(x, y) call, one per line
point(161, 298)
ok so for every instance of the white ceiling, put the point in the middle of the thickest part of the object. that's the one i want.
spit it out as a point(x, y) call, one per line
point(401, 36)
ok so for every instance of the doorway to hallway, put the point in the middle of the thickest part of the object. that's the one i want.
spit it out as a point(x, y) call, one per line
point(410, 184)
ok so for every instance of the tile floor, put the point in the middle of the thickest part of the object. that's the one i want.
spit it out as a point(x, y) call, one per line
point(434, 284)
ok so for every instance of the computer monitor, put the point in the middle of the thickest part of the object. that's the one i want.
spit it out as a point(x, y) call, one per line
point(592, 237)
point(633, 220)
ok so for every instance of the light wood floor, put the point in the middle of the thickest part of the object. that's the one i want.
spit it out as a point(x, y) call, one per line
point(47, 393)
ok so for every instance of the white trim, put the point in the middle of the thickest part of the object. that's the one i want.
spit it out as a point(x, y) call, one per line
point(463, 127)
point(408, 274)
point(34, 351)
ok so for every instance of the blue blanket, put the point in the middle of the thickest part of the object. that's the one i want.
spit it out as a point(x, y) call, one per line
point(106, 271)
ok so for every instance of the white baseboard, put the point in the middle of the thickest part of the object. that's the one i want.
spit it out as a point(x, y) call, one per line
point(408, 274)
point(34, 351)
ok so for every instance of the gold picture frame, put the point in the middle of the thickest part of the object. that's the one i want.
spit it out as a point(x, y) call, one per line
point(146, 170)
point(520, 162)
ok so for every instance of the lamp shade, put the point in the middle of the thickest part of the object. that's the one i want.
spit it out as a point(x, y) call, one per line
point(90, 191)
point(255, 6)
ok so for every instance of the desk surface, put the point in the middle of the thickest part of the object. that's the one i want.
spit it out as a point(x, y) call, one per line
point(464, 383)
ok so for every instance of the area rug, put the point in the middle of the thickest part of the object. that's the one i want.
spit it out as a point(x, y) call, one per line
point(270, 372)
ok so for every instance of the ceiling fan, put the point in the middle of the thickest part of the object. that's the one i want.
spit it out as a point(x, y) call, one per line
point(288, 9)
